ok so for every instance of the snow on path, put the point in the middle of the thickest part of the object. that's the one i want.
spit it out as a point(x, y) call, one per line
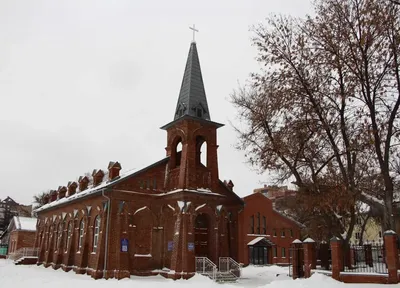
point(266, 277)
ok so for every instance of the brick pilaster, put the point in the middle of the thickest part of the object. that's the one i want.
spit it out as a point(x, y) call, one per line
point(309, 256)
point(337, 257)
point(176, 257)
point(189, 258)
point(392, 260)
point(122, 257)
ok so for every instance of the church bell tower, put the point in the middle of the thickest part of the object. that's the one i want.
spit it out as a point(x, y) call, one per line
point(192, 127)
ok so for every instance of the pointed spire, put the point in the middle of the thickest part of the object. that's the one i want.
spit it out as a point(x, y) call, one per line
point(192, 97)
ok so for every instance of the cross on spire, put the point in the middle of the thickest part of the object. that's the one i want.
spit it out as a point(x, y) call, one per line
point(194, 31)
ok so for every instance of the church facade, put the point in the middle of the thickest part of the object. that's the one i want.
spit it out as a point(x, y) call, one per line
point(152, 221)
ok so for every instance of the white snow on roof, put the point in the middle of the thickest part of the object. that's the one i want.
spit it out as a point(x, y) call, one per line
point(297, 241)
point(372, 198)
point(255, 240)
point(25, 223)
point(309, 240)
point(364, 208)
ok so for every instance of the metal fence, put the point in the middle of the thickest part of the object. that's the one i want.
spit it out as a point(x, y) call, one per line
point(24, 253)
point(324, 256)
point(3, 249)
point(367, 258)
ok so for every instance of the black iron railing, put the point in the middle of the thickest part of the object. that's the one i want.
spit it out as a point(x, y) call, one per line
point(366, 258)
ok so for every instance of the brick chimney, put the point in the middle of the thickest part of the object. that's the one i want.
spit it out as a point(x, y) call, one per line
point(71, 188)
point(46, 198)
point(98, 176)
point(62, 190)
point(230, 185)
point(113, 170)
point(53, 195)
point(83, 183)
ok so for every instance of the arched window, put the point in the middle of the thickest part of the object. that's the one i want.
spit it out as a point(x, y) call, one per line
point(81, 230)
point(68, 236)
point(96, 231)
point(55, 231)
point(60, 234)
point(201, 150)
point(47, 243)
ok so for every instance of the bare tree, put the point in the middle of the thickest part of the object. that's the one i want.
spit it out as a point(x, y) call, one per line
point(369, 35)
point(323, 111)
point(38, 199)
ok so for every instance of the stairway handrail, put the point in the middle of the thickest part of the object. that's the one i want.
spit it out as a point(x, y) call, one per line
point(205, 263)
point(232, 265)
point(24, 252)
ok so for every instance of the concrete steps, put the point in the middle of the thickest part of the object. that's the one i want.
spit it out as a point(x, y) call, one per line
point(222, 277)
point(225, 277)
point(27, 260)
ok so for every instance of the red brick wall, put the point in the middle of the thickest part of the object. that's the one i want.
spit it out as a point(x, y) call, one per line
point(148, 230)
point(258, 203)
point(21, 239)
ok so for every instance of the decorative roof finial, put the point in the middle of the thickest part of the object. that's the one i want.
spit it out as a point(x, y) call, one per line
point(194, 31)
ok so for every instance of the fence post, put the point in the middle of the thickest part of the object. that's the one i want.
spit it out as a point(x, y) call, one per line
point(392, 260)
point(368, 254)
point(309, 256)
point(296, 259)
point(337, 257)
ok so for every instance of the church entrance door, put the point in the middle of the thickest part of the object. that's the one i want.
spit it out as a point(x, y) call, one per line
point(201, 230)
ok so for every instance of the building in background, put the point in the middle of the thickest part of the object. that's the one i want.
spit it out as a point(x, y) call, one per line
point(8, 209)
point(20, 233)
point(275, 193)
point(265, 234)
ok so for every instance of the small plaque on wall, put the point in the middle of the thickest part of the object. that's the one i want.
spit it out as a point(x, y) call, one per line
point(170, 245)
point(190, 246)
point(124, 245)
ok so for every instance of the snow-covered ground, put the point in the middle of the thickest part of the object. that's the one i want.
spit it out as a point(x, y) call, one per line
point(270, 277)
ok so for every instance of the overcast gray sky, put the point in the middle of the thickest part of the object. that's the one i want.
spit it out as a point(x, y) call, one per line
point(83, 83)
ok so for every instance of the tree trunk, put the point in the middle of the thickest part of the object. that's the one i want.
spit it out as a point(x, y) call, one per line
point(388, 223)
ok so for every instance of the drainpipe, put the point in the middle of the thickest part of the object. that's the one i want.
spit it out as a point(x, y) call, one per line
point(107, 225)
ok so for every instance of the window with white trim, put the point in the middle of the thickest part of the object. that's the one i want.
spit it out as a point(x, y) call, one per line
point(96, 231)
point(55, 235)
point(81, 230)
point(68, 236)
point(60, 234)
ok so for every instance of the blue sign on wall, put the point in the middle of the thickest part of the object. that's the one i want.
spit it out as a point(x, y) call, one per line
point(190, 246)
point(124, 245)
point(170, 245)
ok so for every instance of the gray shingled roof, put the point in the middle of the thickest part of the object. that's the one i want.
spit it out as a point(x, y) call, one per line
point(192, 97)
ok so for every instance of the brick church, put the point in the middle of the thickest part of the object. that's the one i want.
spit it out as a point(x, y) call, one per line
point(152, 221)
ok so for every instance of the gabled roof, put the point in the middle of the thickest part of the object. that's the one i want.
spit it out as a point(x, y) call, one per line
point(260, 240)
point(192, 96)
point(23, 223)
point(9, 201)
point(283, 215)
